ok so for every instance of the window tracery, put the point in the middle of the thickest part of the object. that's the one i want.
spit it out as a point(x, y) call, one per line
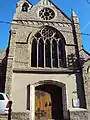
point(46, 14)
point(51, 49)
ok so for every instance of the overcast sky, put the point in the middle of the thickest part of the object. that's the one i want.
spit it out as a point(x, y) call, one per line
point(81, 7)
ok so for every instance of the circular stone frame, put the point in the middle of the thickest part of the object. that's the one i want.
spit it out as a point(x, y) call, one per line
point(46, 13)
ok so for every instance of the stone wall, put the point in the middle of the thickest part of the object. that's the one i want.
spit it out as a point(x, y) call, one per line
point(3, 63)
point(3, 117)
point(22, 31)
point(16, 116)
point(78, 115)
point(20, 116)
point(74, 115)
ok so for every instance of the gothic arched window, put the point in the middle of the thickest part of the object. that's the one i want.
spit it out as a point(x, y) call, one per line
point(51, 49)
point(41, 53)
point(34, 54)
point(47, 53)
point(54, 53)
point(25, 7)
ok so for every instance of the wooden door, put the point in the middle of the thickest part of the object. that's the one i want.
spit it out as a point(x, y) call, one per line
point(43, 105)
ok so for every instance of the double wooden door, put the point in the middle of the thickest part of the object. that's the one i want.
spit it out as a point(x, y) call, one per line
point(48, 103)
point(43, 109)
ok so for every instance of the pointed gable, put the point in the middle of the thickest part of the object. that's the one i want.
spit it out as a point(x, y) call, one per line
point(43, 5)
point(22, 4)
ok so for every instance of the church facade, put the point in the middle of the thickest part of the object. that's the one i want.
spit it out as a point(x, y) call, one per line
point(47, 71)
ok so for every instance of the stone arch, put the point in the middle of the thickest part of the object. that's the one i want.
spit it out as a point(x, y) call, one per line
point(53, 82)
point(50, 33)
point(58, 84)
point(32, 34)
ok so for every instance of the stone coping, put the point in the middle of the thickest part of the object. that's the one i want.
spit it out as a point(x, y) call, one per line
point(77, 109)
point(3, 115)
point(46, 70)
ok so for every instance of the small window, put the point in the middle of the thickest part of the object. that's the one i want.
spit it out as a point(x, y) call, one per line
point(28, 97)
point(25, 7)
point(1, 97)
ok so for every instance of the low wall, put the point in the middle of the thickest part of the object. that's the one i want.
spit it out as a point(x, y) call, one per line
point(78, 114)
point(3, 117)
point(16, 116)
point(74, 115)
point(21, 116)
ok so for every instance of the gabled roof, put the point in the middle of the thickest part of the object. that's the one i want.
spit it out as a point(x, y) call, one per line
point(33, 11)
point(86, 52)
point(50, 2)
point(60, 10)
point(2, 54)
point(26, 1)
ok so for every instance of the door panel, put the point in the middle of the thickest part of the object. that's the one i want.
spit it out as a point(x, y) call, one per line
point(48, 102)
point(43, 105)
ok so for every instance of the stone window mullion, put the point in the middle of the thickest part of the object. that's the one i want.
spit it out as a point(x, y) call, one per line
point(58, 54)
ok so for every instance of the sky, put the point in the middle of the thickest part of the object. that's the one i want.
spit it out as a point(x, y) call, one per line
point(81, 8)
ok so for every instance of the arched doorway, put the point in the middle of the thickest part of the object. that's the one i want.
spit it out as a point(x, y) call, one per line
point(48, 102)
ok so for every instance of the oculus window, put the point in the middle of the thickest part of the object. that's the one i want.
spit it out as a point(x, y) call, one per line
point(46, 14)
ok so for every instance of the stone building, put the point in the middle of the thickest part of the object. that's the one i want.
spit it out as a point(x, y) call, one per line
point(47, 73)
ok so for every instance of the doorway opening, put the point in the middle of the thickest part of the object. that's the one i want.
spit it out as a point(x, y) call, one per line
point(48, 102)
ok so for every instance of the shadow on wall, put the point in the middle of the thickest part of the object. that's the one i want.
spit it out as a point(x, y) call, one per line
point(77, 64)
point(3, 67)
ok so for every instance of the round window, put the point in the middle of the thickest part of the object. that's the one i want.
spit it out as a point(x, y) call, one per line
point(46, 14)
